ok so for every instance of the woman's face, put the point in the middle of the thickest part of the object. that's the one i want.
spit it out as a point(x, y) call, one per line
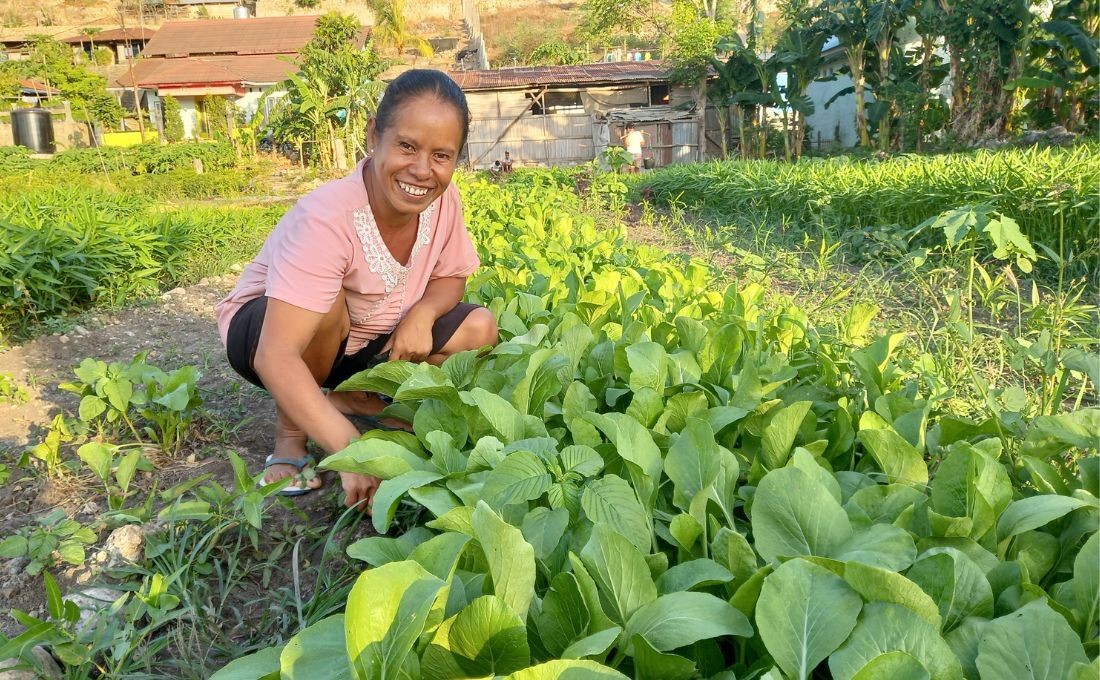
point(414, 158)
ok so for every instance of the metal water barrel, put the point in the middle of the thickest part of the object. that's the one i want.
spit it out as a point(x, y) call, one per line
point(241, 12)
point(33, 128)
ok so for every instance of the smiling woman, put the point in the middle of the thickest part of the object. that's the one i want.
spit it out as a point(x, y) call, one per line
point(364, 269)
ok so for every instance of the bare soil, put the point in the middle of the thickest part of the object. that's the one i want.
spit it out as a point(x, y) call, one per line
point(176, 330)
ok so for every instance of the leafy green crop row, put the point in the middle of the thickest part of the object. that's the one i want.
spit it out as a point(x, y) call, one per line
point(137, 160)
point(1050, 192)
point(64, 249)
point(650, 478)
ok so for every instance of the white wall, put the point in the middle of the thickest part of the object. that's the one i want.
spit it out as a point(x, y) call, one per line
point(836, 124)
point(189, 115)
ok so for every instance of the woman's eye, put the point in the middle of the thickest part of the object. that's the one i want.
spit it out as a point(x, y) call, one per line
point(406, 146)
point(442, 157)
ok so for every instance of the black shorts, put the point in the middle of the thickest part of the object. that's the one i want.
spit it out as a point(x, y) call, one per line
point(244, 338)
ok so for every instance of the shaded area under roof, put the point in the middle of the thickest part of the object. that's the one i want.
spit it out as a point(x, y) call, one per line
point(259, 69)
point(586, 74)
point(113, 35)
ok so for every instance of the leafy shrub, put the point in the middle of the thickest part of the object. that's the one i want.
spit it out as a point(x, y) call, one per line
point(173, 123)
point(15, 159)
point(146, 158)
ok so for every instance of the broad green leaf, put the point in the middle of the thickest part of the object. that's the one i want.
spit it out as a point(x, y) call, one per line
point(732, 551)
point(439, 554)
point(686, 530)
point(879, 545)
point(317, 653)
point(428, 382)
point(505, 420)
point(387, 610)
point(1036, 552)
point(520, 477)
point(435, 416)
point(1086, 579)
point(1031, 513)
point(389, 494)
point(564, 616)
point(693, 462)
point(612, 501)
point(584, 460)
point(881, 585)
point(91, 407)
point(692, 574)
point(648, 366)
point(118, 393)
point(804, 613)
point(577, 402)
point(892, 665)
point(649, 664)
point(596, 644)
point(955, 583)
point(487, 454)
point(899, 459)
point(1031, 642)
point(375, 457)
point(568, 669)
point(971, 483)
point(885, 628)
point(634, 444)
point(541, 381)
point(543, 528)
point(98, 456)
point(379, 550)
point(793, 515)
point(486, 638)
point(679, 619)
point(262, 665)
point(600, 621)
point(620, 572)
point(780, 433)
point(963, 640)
point(511, 559)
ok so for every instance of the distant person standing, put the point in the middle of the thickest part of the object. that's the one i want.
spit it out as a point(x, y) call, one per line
point(634, 140)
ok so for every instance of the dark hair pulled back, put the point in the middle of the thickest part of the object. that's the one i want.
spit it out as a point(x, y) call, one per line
point(419, 82)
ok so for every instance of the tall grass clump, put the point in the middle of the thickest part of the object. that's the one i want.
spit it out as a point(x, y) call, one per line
point(64, 250)
point(1051, 193)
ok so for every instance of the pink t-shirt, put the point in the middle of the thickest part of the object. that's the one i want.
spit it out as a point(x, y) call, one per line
point(329, 241)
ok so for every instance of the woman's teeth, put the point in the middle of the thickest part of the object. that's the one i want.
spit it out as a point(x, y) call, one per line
point(411, 190)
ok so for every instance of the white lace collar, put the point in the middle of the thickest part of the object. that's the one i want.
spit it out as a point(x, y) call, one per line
point(379, 258)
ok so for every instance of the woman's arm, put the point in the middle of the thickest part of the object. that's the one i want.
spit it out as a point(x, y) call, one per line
point(412, 339)
point(287, 341)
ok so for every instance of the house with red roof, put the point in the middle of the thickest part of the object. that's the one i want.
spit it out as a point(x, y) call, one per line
point(194, 61)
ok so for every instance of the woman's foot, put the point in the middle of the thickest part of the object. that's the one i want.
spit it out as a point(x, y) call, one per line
point(290, 444)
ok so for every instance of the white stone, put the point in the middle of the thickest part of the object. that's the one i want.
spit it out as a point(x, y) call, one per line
point(124, 545)
point(48, 667)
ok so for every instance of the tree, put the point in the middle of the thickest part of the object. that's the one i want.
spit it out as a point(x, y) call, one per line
point(988, 41)
point(799, 55)
point(847, 21)
point(556, 52)
point(1060, 78)
point(391, 28)
point(173, 124)
point(335, 90)
point(51, 62)
point(606, 19)
point(689, 47)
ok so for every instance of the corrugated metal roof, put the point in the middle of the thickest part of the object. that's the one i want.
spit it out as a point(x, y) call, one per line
point(260, 35)
point(587, 74)
point(229, 70)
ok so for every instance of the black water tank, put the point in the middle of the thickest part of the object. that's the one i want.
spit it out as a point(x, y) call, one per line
point(33, 128)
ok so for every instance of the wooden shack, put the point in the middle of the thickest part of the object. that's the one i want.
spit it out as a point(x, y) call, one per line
point(567, 115)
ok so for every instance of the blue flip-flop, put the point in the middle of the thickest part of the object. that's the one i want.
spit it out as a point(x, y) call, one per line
point(298, 464)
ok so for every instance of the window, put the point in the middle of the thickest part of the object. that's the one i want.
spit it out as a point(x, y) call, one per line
point(658, 94)
point(553, 101)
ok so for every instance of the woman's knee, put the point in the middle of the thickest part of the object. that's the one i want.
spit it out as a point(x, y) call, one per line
point(479, 328)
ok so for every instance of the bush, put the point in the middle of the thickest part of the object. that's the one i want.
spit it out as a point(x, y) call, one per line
point(173, 123)
point(15, 159)
point(67, 249)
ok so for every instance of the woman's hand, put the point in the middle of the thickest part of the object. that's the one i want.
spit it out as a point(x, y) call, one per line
point(412, 339)
point(359, 490)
